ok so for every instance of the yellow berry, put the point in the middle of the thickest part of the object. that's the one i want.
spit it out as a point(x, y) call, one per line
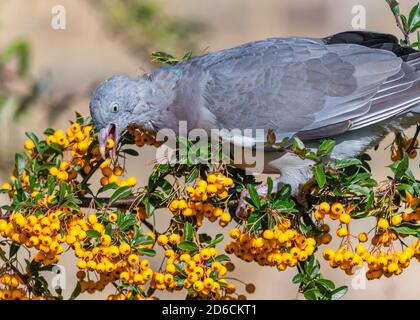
point(205, 254)
point(211, 178)
point(110, 144)
point(268, 234)
point(383, 224)
point(235, 233)
point(342, 232)
point(118, 171)
point(345, 218)
point(174, 238)
point(92, 218)
point(133, 259)
point(363, 237)
point(29, 145)
point(328, 254)
point(81, 264)
point(131, 181)
point(75, 127)
point(396, 220)
point(62, 175)
point(124, 248)
point(324, 207)
point(337, 208)
point(198, 286)
point(6, 186)
point(112, 217)
point(226, 217)
point(162, 240)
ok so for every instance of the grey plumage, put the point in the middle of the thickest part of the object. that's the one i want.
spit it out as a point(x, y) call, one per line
point(296, 86)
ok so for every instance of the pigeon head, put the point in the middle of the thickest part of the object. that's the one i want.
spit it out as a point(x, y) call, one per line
point(111, 106)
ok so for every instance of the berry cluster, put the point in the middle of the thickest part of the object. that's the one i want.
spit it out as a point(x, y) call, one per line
point(40, 232)
point(142, 137)
point(381, 257)
point(201, 274)
point(103, 255)
point(113, 175)
point(12, 287)
point(204, 200)
point(11, 290)
point(280, 246)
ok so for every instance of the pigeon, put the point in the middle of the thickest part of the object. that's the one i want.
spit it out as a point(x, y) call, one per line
point(354, 87)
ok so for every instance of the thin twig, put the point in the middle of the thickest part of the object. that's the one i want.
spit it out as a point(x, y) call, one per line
point(400, 26)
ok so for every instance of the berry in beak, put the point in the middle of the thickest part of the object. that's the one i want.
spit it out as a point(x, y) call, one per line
point(110, 132)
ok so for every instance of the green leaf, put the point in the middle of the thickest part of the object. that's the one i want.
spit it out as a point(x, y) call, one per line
point(33, 137)
point(213, 274)
point(284, 192)
point(120, 193)
point(188, 246)
point(327, 284)
point(76, 291)
point(180, 268)
point(298, 144)
point(405, 27)
point(312, 294)
point(144, 240)
point(407, 228)
point(298, 278)
point(130, 152)
point(326, 147)
point(222, 258)
point(188, 232)
point(359, 189)
point(50, 184)
point(256, 201)
point(370, 200)
point(347, 163)
point(14, 248)
point(394, 5)
point(218, 238)
point(93, 234)
point(414, 18)
point(338, 293)
point(402, 167)
point(269, 185)
point(253, 222)
point(314, 271)
point(20, 164)
point(111, 186)
point(127, 221)
point(147, 252)
point(18, 49)
point(150, 208)
point(320, 177)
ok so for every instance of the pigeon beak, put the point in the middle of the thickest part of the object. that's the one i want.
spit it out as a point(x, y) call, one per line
point(109, 132)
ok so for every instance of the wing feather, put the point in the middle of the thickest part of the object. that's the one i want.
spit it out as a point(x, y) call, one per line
point(300, 85)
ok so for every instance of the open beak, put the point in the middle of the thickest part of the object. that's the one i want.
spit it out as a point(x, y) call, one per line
point(109, 132)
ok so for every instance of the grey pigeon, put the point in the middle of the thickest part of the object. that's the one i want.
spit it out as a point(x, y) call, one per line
point(354, 87)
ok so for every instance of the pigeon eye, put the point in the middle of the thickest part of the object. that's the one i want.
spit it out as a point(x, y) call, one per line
point(115, 107)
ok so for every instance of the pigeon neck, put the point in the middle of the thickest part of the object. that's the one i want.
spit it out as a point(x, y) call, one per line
point(181, 99)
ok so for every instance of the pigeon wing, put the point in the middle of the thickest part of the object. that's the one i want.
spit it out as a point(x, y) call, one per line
point(297, 85)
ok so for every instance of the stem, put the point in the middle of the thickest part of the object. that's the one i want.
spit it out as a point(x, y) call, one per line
point(400, 26)
point(120, 204)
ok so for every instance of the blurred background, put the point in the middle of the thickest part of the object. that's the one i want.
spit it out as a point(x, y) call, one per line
point(46, 75)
